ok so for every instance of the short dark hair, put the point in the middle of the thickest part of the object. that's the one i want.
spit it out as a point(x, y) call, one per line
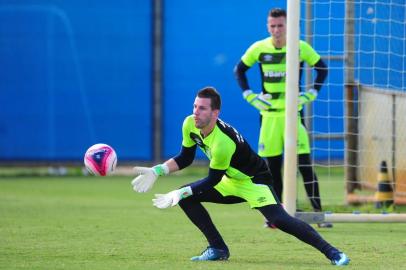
point(214, 96)
point(277, 12)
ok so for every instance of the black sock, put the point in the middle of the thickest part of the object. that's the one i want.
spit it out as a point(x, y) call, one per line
point(275, 166)
point(296, 227)
point(201, 218)
point(310, 180)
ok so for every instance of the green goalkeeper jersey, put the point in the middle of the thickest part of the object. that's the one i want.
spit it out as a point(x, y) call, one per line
point(226, 149)
point(272, 63)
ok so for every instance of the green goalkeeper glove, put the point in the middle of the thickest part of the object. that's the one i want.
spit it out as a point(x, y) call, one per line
point(308, 96)
point(172, 198)
point(147, 177)
point(259, 101)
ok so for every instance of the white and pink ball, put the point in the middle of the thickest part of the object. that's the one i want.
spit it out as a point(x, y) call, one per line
point(100, 159)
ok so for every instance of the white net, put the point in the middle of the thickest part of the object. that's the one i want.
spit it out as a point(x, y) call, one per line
point(358, 120)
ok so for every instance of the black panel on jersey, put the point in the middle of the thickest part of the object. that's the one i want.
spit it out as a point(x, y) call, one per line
point(244, 158)
point(272, 58)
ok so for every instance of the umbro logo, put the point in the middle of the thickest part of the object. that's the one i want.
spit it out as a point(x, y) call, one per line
point(268, 57)
point(261, 199)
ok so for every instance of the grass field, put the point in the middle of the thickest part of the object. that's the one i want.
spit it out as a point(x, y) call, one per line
point(100, 223)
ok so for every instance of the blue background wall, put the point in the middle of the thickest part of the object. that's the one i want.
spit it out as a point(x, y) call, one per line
point(202, 46)
point(75, 73)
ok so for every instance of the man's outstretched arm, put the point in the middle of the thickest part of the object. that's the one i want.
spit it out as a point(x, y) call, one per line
point(172, 198)
point(147, 176)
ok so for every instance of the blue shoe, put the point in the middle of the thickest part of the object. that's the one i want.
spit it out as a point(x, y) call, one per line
point(212, 254)
point(343, 260)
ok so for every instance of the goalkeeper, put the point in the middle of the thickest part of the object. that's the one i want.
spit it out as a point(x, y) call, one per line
point(270, 53)
point(236, 174)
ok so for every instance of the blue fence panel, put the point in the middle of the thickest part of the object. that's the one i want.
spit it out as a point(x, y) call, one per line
point(75, 74)
point(328, 114)
point(202, 44)
point(382, 57)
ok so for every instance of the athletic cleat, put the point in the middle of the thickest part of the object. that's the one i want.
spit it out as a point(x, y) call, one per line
point(212, 254)
point(343, 260)
point(325, 225)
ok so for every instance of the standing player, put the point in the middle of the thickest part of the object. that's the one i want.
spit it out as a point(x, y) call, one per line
point(270, 53)
point(236, 174)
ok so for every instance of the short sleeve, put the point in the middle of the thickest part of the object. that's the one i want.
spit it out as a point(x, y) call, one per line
point(308, 54)
point(250, 57)
point(186, 129)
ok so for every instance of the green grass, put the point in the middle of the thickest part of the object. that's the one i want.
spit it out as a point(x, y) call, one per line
point(100, 223)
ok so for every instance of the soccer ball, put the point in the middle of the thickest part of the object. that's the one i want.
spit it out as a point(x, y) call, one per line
point(100, 159)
